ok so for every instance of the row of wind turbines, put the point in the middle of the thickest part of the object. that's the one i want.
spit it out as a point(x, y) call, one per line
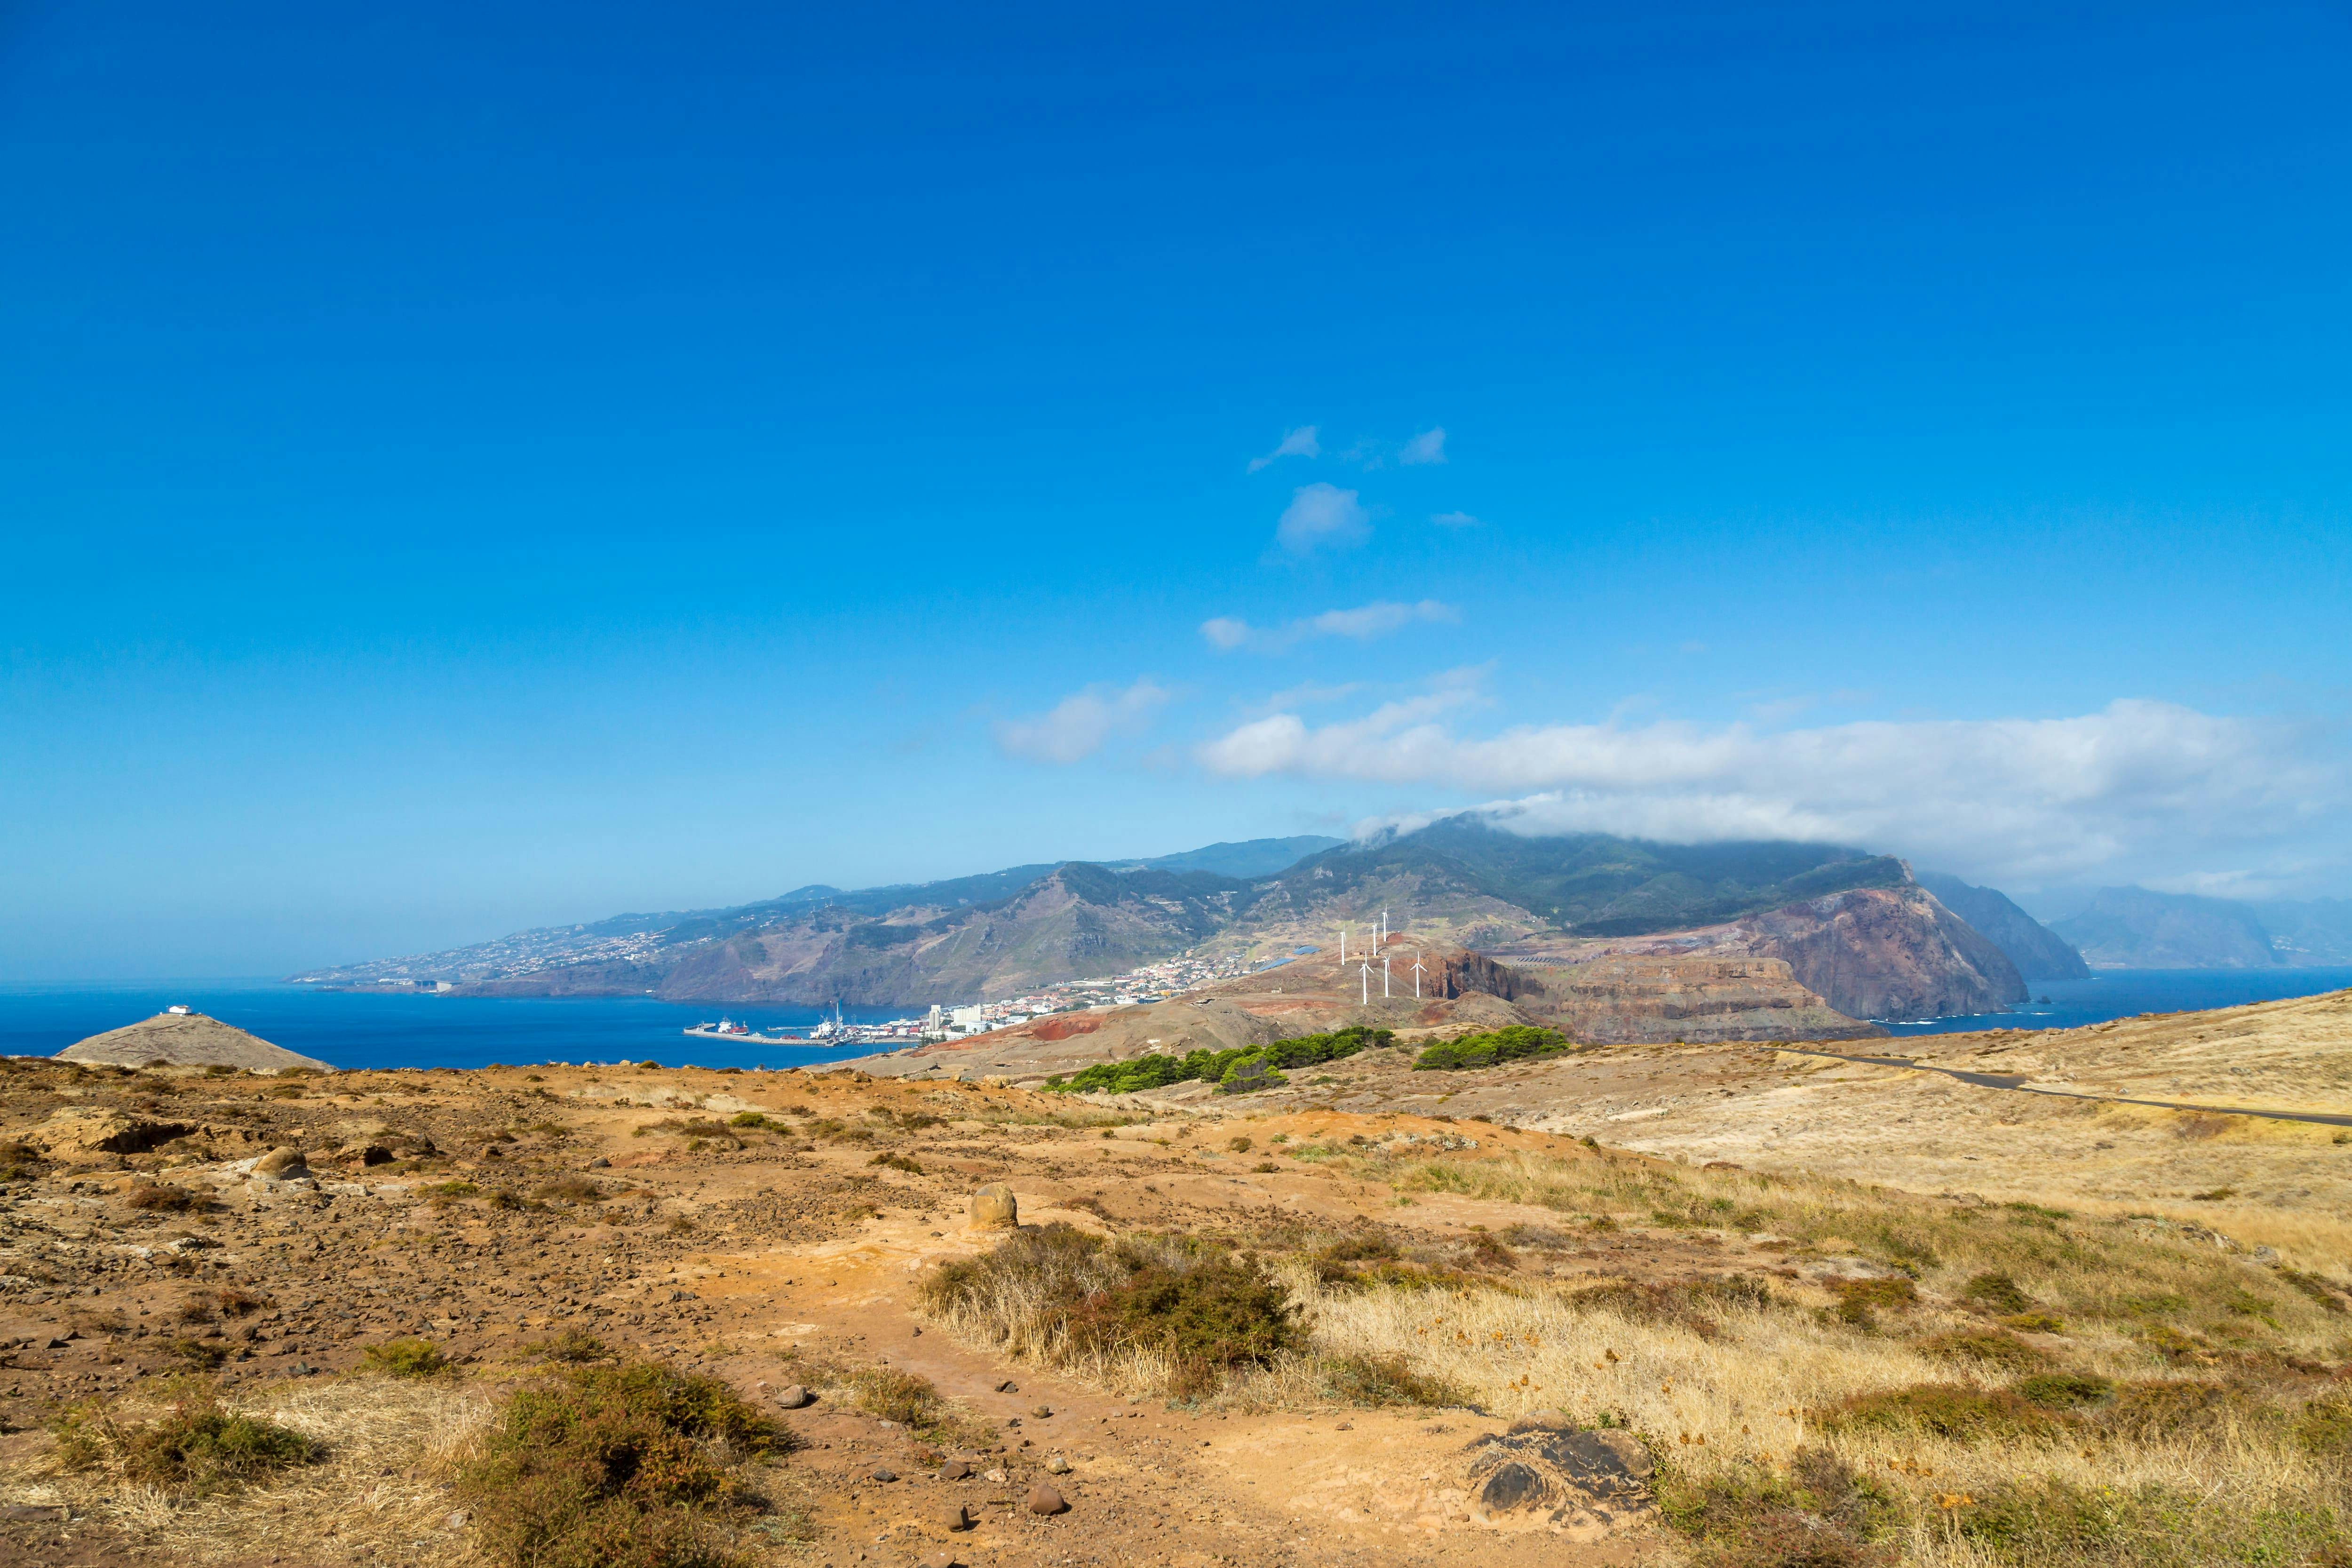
point(1364, 967)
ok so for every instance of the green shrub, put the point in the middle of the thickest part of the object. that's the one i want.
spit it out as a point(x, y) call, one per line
point(1236, 1070)
point(1204, 1307)
point(1858, 1301)
point(897, 1162)
point(405, 1358)
point(1384, 1380)
point(2002, 1350)
point(198, 1447)
point(573, 1345)
point(1998, 1291)
point(2065, 1390)
point(2325, 1427)
point(1949, 1410)
point(1816, 1514)
point(618, 1467)
point(1518, 1042)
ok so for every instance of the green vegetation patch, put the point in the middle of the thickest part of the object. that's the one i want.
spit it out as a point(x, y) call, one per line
point(198, 1447)
point(1817, 1513)
point(1206, 1308)
point(1519, 1042)
point(1236, 1071)
point(615, 1464)
point(405, 1358)
point(1376, 1381)
point(1949, 1410)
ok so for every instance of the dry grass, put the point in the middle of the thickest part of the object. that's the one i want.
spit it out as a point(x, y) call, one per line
point(387, 1446)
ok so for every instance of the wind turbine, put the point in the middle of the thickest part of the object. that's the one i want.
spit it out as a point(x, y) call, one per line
point(1416, 980)
point(1343, 949)
point(1367, 975)
point(1384, 977)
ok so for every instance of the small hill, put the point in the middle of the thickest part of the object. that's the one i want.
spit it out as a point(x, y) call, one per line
point(186, 1040)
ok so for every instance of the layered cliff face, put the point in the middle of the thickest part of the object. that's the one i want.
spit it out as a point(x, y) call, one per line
point(1888, 953)
point(1651, 997)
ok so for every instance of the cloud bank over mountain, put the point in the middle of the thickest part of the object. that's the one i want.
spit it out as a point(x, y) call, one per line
point(2140, 787)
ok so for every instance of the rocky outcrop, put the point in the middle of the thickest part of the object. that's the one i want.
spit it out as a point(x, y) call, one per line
point(1545, 1474)
point(1888, 953)
point(1630, 999)
point(187, 1039)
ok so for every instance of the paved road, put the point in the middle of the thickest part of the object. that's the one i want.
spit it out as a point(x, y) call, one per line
point(2017, 1082)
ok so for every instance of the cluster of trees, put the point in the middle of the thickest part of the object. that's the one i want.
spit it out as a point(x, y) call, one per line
point(1236, 1071)
point(1509, 1044)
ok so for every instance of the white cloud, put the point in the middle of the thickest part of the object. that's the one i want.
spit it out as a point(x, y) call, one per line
point(1429, 446)
point(1298, 443)
point(1364, 623)
point(2139, 788)
point(1322, 514)
point(1078, 725)
point(1453, 519)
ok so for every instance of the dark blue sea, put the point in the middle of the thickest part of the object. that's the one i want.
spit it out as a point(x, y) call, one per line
point(355, 1029)
point(2127, 993)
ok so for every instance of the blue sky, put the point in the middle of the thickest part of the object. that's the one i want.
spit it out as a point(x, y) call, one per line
point(472, 466)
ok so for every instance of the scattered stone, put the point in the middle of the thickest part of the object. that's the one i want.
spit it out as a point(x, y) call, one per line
point(1008, 1386)
point(993, 1477)
point(600, 1163)
point(955, 1470)
point(1044, 1499)
point(993, 1208)
point(1042, 1412)
point(943, 1560)
point(955, 1516)
point(885, 1473)
point(282, 1163)
point(795, 1398)
point(1057, 1466)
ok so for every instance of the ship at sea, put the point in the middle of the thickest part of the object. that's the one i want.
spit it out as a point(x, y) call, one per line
point(741, 1033)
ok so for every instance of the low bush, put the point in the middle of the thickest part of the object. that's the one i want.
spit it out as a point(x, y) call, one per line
point(2325, 1427)
point(1374, 1381)
point(1815, 1514)
point(1859, 1301)
point(2163, 1407)
point(2002, 1350)
point(1236, 1070)
point(199, 1445)
point(161, 1197)
point(570, 1190)
point(613, 1466)
point(1949, 1410)
point(2065, 1390)
point(897, 1162)
point(1998, 1291)
point(1059, 1292)
point(575, 1346)
point(405, 1358)
point(1518, 1042)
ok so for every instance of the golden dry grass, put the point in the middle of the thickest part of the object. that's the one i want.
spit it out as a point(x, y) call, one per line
point(390, 1445)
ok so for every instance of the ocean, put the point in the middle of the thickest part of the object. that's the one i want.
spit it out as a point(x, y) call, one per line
point(358, 1029)
point(2127, 993)
point(353, 1029)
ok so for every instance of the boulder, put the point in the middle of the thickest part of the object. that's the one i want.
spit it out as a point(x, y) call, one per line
point(1044, 1500)
point(1543, 1473)
point(955, 1470)
point(795, 1398)
point(283, 1163)
point(993, 1208)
